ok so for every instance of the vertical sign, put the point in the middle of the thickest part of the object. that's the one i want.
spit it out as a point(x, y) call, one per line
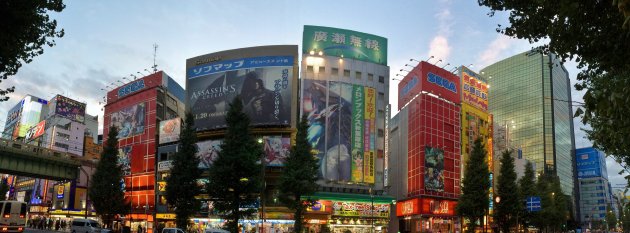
point(368, 135)
point(357, 133)
point(386, 147)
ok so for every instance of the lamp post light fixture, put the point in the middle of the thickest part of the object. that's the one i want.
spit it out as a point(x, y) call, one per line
point(430, 58)
point(437, 62)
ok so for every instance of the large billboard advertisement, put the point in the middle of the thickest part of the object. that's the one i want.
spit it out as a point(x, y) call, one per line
point(344, 43)
point(338, 127)
point(474, 89)
point(36, 131)
point(433, 169)
point(130, 121)
point(124, 159)
point(69, 108)
point(276, 150)
point(589, 163)
point(263, 84)
point(169, 130)
point(207, 152)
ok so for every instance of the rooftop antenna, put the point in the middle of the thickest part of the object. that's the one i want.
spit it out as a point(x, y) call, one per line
point(155, 46)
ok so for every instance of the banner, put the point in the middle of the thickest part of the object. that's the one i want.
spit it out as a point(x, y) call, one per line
point(474, 90)
point(169, 130)
point(358, 121)
point(433, 169)
point(207, 152)
point(263, 84)
point(129, 121)
point(344, 43)
point(314, 108)
point(276, 149)
point(36, 131)
point(69, 108)
point(369, 135)
point(124, 159)
point(360, 209)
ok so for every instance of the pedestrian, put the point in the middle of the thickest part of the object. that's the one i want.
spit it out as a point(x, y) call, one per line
point(139, 228)
point(57, 224)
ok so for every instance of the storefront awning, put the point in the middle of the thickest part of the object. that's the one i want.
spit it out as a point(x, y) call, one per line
point(351, 197)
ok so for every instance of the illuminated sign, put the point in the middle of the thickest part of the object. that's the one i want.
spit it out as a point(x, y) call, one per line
point(438, 207)
point(412, 83)
point(165, 216)
point(131, 88)
point(360, 209)
point(474, 90)
point(442, 82)
point(408, 207)
point(36, 131)
point(165, 165)
point(60, 190)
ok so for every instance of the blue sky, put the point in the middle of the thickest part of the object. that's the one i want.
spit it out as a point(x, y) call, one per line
point(108, 40)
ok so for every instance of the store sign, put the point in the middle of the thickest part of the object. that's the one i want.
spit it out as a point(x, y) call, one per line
point(165, 165)
point(36, 131)
point(442, 82)
point(360, 209)
point(60, 191)
point(162, 186)
point(438, 207)
point(474, 90)
point(410, 85)
point(131, 88)
point(321, 206)
point(165, 216)
point(38, 209)
point(408, 207)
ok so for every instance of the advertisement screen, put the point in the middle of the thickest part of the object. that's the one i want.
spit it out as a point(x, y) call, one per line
point(207, 151)
point(474, 89)
point(433, 169)
point(263, 84)
point(124, 159)
point(169, 130)
point(338, 130)
point(69, 108)
point(345, 43)
point(588, 164)
point(276, 149)
point(129, 120)
point(36, 131)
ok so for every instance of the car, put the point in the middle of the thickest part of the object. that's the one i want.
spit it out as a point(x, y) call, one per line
point(80, 225)
point(215, 230)
point(172, 230)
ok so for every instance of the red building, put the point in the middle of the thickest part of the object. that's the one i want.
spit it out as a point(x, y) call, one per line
point(136, 108)
point(425, 154)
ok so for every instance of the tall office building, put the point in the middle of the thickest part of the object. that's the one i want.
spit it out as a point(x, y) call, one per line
point(531, 98)
point(595, 191)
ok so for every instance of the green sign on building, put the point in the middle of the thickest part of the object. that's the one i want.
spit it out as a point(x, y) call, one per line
point(344, 43)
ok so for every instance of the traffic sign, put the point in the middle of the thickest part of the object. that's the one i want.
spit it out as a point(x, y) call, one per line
point(533, 204)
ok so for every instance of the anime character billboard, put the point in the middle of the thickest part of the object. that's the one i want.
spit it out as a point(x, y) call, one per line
point(129, 121)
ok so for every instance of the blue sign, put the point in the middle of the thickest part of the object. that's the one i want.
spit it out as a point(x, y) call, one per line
point(254, 204)
point(238, 64)
point(533, 204)
point(588, 163)
point(131, 88)
point(442, 82)
point(412, 83)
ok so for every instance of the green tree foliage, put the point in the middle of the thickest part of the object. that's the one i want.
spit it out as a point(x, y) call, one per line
point(611, 218)
point(4, 189)
point(507, 209)
point(625, 219)
point(473, 203)
point(235, 175)
point(526, 188)
point(554, 213)
point(591, 33)
point(181, 185)
point(299, 176)
point(106, 193)
point(26, 27)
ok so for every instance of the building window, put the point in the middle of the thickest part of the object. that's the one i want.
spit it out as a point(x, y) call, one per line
point(370, 77)
point(322, 69)
point(381, 114)
point(381, 133)
point(61, 145)
point(381, 96)
point(357, 74)
point(334, 71)
point(381, 79)
point(346, 73)
point(309, 69)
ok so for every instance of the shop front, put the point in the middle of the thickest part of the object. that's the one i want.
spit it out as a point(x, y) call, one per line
point(341, 213)
point(427, 214)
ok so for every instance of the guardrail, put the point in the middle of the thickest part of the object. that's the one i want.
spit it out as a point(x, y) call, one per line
point(39, 152)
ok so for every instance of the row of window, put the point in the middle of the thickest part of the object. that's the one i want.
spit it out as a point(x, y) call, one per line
point(346, 73)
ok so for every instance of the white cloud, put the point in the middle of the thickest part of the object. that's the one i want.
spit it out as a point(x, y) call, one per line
point(439, 48)
point(494, 50)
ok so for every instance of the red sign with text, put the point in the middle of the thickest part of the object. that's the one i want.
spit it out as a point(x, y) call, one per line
point(429, 78)
point(438, 206)
point(408, 207)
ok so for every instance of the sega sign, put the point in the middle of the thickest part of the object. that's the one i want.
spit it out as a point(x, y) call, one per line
point(442, 82)
point(410, 85)
point(131, 88)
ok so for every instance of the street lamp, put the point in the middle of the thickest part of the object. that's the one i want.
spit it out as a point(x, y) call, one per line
point(372, 209)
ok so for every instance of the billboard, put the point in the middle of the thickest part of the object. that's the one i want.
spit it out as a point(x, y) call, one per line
point(207, 152)
point(130, 121)
point(433, 169)
point(431, 79)
point(360, 209)
point(124, 159)
point(263, 84)
point(36, 131)
point(344, 43)
point(588, 163)
point(276, 150)
point(69, 108)
point(474, 89)
point(169, 130)
point(338, 128)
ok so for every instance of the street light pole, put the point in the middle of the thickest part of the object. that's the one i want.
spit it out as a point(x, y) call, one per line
point(372, 211)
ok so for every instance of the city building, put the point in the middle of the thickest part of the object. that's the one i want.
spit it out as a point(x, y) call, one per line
point(593, 185)
point(136, 108)
point(266, 79)
point(23, 116)
point(345, 96)
point(425, 151)
point(531, 99)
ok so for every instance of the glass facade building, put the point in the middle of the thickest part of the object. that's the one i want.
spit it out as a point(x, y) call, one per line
point(530, 99)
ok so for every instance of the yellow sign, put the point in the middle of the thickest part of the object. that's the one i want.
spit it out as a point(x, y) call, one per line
point(162, 186)
point(165, 216)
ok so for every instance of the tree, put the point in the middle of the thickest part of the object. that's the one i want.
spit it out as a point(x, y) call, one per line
point(473, 203)
point(611, 218)
point(235, 176)
point(299, 176)
point(4, 189)
point(507, 209)
point(590, 32)
point(526, 188)
point(181, 185)
point(553, 215)
point(26, 27)
point(106, 193)
point(625, 219)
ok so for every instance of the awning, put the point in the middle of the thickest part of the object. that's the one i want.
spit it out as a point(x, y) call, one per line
point(382, 199)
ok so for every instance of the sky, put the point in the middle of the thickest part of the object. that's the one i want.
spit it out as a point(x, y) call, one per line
point(107, 40)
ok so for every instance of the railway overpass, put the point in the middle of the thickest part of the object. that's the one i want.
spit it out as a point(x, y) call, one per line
point(17, 158)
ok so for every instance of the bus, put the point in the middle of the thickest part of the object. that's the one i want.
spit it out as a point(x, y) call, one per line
point(12, 216)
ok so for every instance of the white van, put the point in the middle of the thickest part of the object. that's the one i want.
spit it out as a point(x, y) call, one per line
point(13, 216)
point(80, 225)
